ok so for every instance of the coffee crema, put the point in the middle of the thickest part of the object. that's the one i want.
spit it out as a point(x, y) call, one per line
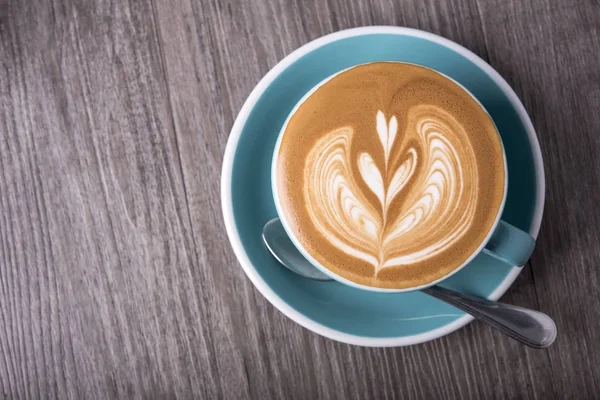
point(390, 175)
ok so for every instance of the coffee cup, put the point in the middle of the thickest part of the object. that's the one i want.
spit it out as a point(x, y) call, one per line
point(436, 161)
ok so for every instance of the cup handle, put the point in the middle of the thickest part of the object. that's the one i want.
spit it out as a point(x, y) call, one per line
point(510, 245)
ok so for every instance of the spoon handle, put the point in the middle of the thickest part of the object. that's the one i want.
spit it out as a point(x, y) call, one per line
point(532, 328)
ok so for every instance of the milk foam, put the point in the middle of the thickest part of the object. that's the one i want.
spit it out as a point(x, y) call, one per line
point(437, 206)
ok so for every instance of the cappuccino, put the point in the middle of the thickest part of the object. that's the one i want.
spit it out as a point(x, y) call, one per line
point(390, 175)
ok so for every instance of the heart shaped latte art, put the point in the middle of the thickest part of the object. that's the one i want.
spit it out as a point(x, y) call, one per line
point(429, 177)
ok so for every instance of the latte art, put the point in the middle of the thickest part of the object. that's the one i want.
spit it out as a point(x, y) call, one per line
point(389, 175)
point(437, 209)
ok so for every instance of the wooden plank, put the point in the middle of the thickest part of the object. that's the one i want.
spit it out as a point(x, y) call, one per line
point(98, 284)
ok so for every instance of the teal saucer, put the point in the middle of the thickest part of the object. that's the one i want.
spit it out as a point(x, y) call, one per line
point(329, 308)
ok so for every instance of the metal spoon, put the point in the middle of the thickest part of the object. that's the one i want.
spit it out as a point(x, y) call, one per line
point(530, 327)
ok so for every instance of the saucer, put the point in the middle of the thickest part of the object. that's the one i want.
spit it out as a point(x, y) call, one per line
point(332, 309)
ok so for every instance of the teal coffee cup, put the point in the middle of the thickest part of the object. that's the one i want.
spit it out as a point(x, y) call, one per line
point(503, 241)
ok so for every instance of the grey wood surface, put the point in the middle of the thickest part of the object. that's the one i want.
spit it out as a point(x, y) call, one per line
point(116, 276)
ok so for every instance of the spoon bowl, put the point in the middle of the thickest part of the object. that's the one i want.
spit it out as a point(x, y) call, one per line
point(278, 243)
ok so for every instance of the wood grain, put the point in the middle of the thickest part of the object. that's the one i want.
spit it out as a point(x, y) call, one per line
point(116, 277)
point(98, 259)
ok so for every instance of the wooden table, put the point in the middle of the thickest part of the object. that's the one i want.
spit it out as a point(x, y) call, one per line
point(116, 276)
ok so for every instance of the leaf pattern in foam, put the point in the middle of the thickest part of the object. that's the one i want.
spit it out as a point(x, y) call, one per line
point(401, 177)
point(371, 175)
point(342, 213)
point(335, 204)
point(387, 134)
